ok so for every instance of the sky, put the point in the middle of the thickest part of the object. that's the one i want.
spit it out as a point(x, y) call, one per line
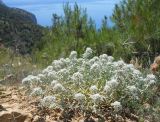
point(43, 9)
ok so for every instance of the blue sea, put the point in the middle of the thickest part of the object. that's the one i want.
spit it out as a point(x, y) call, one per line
point(43, 9)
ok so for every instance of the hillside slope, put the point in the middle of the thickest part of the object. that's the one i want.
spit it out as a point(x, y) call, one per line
point(18, 29)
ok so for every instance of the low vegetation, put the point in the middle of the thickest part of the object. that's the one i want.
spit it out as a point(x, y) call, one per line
point(14, 67)
point(135, 32)
point(101, 83)
point(96, 84)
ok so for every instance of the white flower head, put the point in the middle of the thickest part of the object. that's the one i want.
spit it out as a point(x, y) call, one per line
point(54, 82)
point(34, 80)
point(48, 69)
point(86, 65)
point(30, 79)
point(63, 74)
point(152, 82)
point(131, 66)
point(64, 62)
point(80, 61)
point(52, 75)
point(132, 89)
point(117, 106)
point(136, 72)
point(93, 89)
point(107, 89)
point(27, 80)
point(73, 55)
point(112, 83)
point(110, 59)
point(37, 91)
point(119, 63)
point(77, 77)
point(81, 70)
point(79, 97)
point(57, 64)
point(151, 77)
point(67, 61)
point(42, 76)
point(58, 88)
point(88, 53)
point(104, 57)
point(95, 68)
point(48, 101)
point(93, 60)
point(97, 98)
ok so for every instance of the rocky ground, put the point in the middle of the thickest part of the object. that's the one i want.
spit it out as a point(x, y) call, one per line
point(16, 106)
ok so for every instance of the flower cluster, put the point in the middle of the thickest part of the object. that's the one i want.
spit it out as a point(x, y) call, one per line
point(48, 101)
point(117, 106)
point(93, 79)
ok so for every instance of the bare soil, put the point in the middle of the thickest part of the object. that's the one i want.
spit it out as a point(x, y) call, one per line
point(17, 106)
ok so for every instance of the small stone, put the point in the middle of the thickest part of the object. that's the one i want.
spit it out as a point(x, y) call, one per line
point(18, 116)
point(14, 97)
point(38, 119)
point(2, 108)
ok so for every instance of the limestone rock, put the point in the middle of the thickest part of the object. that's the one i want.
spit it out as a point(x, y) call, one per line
point(14, 115)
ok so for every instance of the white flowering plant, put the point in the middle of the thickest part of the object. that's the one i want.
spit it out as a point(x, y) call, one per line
point(90, 81)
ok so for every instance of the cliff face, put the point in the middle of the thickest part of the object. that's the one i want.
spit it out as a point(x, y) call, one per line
point(24, 15)
point(16, 14)
point(1, 2)
point(18, 29)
